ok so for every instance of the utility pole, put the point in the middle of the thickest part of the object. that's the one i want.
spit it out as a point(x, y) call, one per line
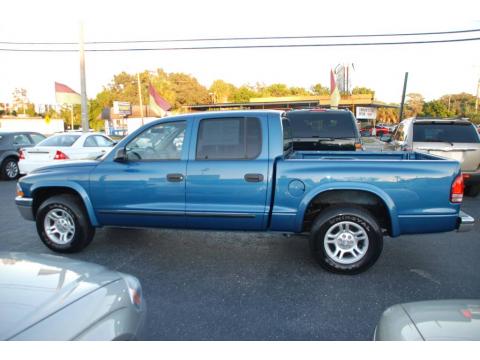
point(83, 85)
point(71, 117)
point(403, 96)
point(140, 96)
point(476, 99)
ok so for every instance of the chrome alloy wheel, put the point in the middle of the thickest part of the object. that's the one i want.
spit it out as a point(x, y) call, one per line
point(346, 242)
point(59, 226)
point(11, 169)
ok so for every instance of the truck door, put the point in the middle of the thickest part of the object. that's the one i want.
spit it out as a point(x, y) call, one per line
point(147, 188)
point(227, 173)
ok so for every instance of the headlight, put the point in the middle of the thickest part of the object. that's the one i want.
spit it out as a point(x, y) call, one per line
point(134, 290)
point(19, 190)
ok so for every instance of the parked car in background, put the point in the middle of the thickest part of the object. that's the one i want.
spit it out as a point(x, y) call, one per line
point(10, 145)
point(451, 138)
point(46, 297)
point(64, 146)
point(237, 170)
point(368, 130)
point(324, 129)
point(431, 320)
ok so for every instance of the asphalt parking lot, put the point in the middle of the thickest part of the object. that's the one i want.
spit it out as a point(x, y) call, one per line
point(259, 286)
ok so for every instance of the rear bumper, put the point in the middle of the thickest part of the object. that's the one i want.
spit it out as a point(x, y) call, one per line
point(27, 166)
point(465, 222)
point(471, 178)
point(25, 207)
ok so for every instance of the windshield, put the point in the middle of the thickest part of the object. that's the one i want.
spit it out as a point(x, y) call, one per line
point(448, 132)
point(321, 125)
point(59, 140)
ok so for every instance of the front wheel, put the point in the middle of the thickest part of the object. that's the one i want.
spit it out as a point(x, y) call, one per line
point(63, 225)
point(346, 240)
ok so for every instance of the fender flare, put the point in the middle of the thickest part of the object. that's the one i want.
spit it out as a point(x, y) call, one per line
point(390, 204)
point(75, 187)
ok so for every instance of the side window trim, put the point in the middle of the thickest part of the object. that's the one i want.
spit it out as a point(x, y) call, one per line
point(90, 138)
point(244, 118)
point(184, 145)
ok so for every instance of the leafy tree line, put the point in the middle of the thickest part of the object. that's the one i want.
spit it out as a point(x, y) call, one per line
point(447, 106)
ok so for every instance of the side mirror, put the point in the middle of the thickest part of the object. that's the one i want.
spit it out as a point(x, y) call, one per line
point(120, 155)
point(386, 138)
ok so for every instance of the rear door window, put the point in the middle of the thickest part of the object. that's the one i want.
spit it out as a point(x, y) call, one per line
point(229, 139)
point(448, 132)
point(90, 142)
point(36, 138)
point(21, 139)
point(102, 141)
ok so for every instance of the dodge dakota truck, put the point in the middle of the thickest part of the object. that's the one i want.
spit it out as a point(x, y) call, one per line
point(236, 170)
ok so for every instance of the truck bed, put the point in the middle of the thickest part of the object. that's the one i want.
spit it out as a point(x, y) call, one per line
point(414, 186)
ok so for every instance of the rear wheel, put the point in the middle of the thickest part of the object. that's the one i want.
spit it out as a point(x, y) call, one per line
point(63, 224)
point(346, 240)
point(9, 169)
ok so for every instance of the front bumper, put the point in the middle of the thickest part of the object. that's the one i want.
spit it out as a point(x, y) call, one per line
point(465, 222)
point(25, 206)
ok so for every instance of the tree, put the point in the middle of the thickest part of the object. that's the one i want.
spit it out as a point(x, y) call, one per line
point(244, 93)
point(387, 115)
point(222, 91)
point(188, 90)
point(318, 89)
point(363, 91)
point(414, 104)
point(435, 108)
point(277, 89)
point(299, 91)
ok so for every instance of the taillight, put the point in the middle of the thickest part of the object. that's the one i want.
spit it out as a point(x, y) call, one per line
point(456, 194)
point(22, 155)
point(60, 156)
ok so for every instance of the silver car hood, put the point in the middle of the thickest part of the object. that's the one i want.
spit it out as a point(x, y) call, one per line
point(32, 287)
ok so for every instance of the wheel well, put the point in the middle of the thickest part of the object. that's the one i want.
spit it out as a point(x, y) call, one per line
point(359, 198)
point(40, 195)
point(9, 157)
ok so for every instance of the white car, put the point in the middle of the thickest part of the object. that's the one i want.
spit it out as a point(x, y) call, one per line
point(64, 146)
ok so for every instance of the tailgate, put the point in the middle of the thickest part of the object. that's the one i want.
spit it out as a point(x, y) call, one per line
point(467, 154)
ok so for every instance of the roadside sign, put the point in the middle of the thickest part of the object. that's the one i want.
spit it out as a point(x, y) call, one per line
point(122, 108)
point(363, 112)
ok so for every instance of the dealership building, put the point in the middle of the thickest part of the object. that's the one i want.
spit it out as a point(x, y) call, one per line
point(362, 105)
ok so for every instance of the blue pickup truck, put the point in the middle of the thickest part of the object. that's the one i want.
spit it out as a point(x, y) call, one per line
point(237, 170)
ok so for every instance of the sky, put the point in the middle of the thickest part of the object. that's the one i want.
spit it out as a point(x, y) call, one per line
point(434, 69)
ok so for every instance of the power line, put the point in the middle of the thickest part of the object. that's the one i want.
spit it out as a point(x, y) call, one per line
point(247, 38)
point(267, 46)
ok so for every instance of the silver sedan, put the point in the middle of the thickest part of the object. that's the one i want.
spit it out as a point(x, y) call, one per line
point(46, 297)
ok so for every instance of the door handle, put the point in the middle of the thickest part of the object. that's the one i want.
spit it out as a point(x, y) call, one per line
point(174, 177)
point(253, 177)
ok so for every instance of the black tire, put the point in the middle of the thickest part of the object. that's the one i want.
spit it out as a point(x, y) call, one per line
point(472, 190)
point(341, 215)
point(9, 169)
point(83, 230)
